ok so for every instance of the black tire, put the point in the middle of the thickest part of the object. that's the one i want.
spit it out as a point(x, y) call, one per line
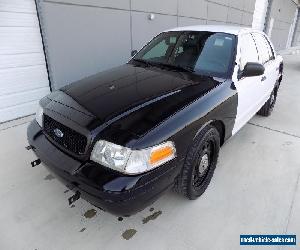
point(193, 168)
point(268, 107)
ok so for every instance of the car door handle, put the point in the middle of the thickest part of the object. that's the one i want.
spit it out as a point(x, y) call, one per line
point(263, 78)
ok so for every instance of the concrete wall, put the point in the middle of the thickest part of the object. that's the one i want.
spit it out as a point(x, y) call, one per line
point(296, 36)
point(283, 13)
point(259, 16)
point(83, 37)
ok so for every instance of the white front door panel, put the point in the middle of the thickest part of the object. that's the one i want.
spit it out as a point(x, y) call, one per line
point(249, 100)
point(248, 88)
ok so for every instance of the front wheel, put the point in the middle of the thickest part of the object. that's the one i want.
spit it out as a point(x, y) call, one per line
point(200, 164)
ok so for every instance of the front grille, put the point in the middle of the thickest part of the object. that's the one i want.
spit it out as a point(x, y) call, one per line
point(69, 138)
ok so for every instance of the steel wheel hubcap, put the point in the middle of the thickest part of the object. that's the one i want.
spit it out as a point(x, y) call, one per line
point(273, 100)
point(203, 164)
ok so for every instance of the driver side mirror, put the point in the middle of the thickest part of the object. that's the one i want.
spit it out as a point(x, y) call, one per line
point(252, 69)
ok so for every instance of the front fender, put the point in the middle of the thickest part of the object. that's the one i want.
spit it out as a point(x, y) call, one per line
point(219, 104)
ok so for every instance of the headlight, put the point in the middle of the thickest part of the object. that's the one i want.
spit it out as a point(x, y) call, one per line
point(132, 161)
point(39, 115)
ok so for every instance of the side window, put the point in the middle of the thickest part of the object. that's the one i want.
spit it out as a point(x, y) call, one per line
point(264, 49)
point(248, 50)
point(271, 52)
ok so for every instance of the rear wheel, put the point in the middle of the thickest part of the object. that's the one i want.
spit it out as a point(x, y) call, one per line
point(200, 164)
point(268, 107)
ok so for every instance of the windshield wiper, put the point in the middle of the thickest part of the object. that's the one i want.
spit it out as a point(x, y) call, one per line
point(177, 67)
point(147, 63)
point(187, 69)
point(172, 66)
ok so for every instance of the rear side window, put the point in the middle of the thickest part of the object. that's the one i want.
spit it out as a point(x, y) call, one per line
point(264, 49)
point(248, 50)
point(271, 52)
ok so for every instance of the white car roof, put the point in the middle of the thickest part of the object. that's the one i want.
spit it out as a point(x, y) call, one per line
point(235, 30)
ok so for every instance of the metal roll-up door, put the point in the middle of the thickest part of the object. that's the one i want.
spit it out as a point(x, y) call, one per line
point(23, 73)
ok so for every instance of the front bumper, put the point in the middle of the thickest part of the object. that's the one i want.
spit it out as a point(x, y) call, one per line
point(107, 189)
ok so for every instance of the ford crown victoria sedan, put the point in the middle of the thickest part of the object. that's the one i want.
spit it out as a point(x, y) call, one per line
point(122, 137)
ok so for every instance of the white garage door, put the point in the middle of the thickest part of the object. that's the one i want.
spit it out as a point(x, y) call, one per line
point(23, 74)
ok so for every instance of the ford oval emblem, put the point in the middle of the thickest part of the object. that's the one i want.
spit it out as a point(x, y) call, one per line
point(58, 133)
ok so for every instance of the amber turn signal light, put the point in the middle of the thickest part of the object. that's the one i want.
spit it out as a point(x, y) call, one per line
point(162, 154)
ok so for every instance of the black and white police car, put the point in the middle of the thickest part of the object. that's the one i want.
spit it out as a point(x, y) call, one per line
point(121, 137)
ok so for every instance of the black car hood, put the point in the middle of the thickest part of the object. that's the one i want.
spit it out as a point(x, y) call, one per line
point(131, 97)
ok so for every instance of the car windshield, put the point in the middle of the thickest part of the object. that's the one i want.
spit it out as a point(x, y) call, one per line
point(202, 52)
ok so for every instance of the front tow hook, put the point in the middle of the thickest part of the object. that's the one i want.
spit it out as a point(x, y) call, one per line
point(74, 198)
point(29, 147)
point(35, 163)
